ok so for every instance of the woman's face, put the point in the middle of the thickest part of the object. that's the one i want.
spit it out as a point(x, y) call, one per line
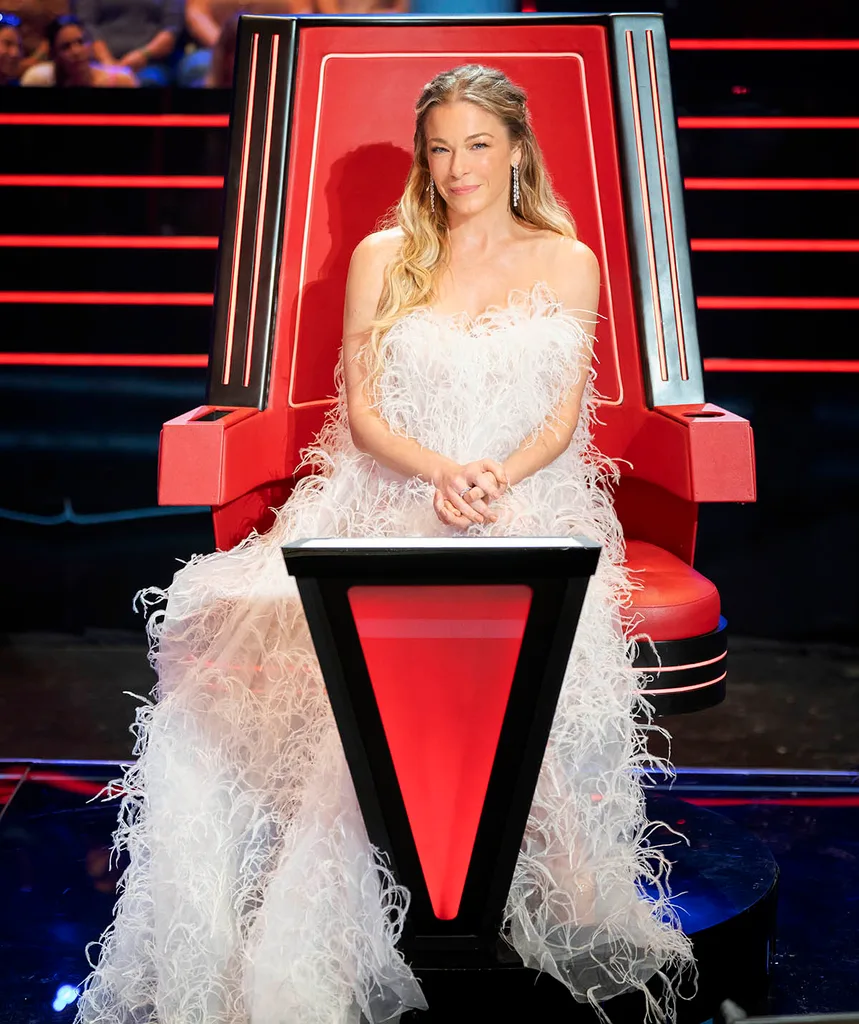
point(10, 52)
point(469, 156)
point(71, 49)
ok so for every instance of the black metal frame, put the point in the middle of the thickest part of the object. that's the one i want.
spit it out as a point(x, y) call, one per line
point(558, 580)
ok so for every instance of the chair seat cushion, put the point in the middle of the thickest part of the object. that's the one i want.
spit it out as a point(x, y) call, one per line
point(675, 601)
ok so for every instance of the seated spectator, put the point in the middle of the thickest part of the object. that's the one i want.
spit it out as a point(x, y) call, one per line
point(138, 34)
point(223, 63)
point(204, 20)
point(35, 17)
point(364, 7)
point(71, 64)
point(11, 49)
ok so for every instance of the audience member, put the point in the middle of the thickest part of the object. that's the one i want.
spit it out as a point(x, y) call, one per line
point(204, 20)
point(223, 63)
point(138, 34)
point(35, 17)
point(362, 6)
point(11, 49)
point(71, 64)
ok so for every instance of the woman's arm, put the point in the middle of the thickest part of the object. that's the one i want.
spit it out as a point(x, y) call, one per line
point(370, 433)
point(575, 279)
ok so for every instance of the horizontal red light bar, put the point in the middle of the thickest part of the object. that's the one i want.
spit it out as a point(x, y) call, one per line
point(134, 360)
point(118, 120)
point(768, 122)
point(109, 298)
point(108, 242)
point(126, 360)
point(774, 244)
point(110, 181)
point(775, 302)
point(773, 184)
point(764, 44)
point(781, 365)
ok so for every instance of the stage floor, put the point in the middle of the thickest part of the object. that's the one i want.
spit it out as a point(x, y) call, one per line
point(57, 888)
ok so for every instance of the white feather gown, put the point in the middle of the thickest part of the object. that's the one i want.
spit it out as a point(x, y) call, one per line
point(253, 895)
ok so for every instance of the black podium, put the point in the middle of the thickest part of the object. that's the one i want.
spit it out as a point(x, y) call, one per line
point(443, 660)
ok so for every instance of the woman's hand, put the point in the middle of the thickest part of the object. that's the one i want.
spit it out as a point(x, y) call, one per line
point(464, 492)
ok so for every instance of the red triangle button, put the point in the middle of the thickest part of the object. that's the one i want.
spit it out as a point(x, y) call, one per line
point(441, 662)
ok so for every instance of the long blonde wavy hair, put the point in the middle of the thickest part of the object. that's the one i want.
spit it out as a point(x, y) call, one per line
point(410, 278)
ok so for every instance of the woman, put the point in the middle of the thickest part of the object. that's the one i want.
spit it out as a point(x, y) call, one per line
point(253, 894)
point(10, 48)
point(71, 64)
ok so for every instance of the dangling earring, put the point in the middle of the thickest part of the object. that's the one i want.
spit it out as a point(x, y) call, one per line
point(515, 186)
point(432, 195)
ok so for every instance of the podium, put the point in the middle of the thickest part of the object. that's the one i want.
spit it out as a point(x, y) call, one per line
point(443, 659)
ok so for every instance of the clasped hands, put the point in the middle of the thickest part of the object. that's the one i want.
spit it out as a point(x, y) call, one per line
point(463, 493)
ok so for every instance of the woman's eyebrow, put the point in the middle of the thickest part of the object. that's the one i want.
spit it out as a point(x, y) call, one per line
point(476, 135)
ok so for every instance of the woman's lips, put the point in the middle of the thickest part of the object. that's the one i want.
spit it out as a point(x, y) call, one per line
point(464, 190)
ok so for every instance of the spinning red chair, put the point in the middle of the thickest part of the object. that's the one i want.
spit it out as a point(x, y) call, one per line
point(321, 139)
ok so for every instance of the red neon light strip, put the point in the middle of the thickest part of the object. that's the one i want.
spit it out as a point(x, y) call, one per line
point(774, 184)
point(109, 298)
point(781, 365)
point(774, 302)
point(666, 207)
point(645, 208)
point(201, 361)
point(774, 244)
point(118, 120)
point(110, 181)
point(768, 122)
point(108, 242)
point(101, 359)
point(240, 214)
point(684, 689)
point(261, 204)
point(764, 44)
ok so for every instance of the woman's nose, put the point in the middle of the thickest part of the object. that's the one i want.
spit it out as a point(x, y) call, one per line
point(457, 164)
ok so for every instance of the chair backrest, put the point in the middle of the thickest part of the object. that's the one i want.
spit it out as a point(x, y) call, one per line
point(345, 89)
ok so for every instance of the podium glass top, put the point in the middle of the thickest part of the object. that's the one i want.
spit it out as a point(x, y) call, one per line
point(447, 558)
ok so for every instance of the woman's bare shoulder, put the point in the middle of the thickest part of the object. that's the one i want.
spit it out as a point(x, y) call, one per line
point(376, 249)
point(572, 271)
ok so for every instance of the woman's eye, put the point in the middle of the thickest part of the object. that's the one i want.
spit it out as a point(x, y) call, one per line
point(438, 149)
point(479, 145)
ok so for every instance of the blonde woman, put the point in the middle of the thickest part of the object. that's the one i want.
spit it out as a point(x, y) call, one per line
point(253, 894)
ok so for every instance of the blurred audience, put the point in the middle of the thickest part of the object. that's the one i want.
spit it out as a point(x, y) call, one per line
point(35, 17)
point(140, 35)
point(72, 64)
point(125, 43)
point(11, 49)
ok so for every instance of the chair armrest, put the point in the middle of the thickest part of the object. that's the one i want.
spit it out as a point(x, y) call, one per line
point(696, 452)
point(211, 455)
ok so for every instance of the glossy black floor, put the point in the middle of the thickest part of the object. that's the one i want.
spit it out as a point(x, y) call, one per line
point(57, 885)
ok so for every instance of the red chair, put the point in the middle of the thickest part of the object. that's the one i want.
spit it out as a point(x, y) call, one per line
point(321, 137)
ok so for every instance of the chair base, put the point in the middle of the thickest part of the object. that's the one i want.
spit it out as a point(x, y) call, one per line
point(685, 675)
